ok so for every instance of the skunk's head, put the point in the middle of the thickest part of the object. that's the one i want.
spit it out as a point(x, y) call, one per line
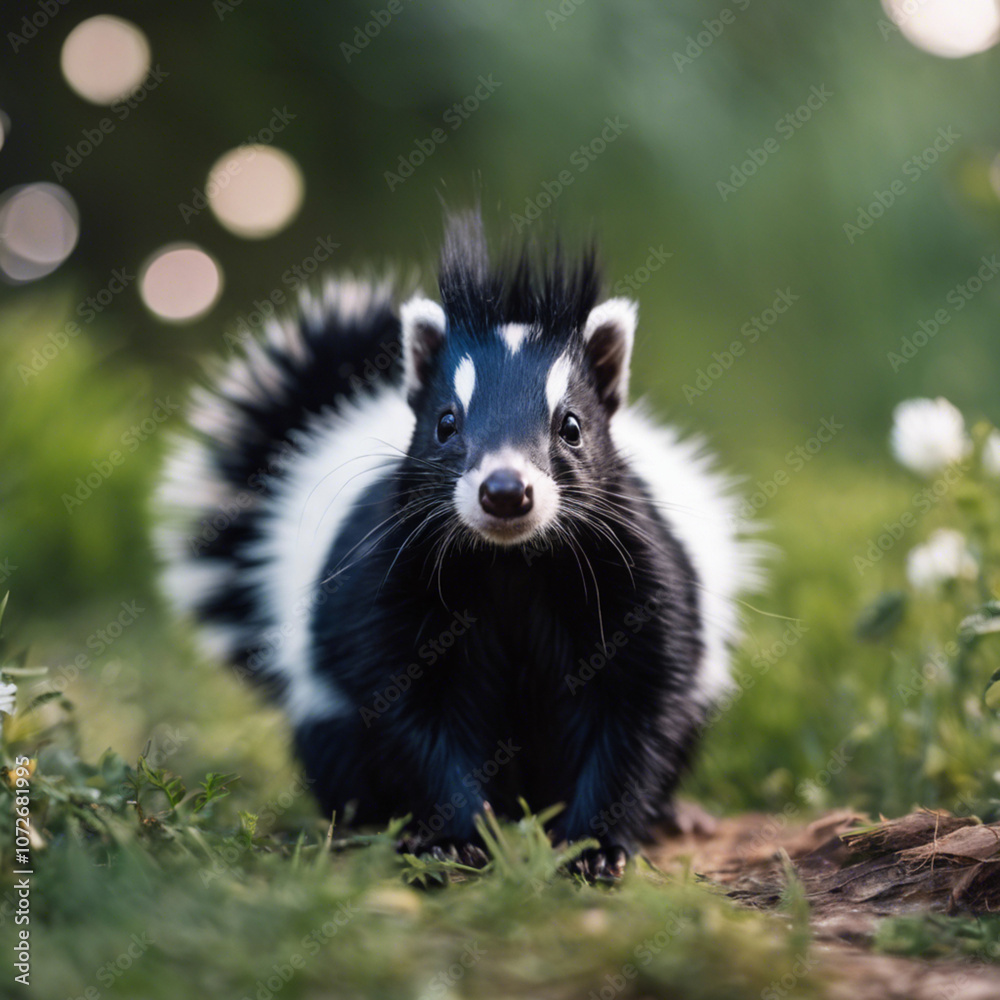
point(514, 379)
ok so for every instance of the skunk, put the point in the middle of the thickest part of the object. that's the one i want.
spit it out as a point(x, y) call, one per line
point(467, 569)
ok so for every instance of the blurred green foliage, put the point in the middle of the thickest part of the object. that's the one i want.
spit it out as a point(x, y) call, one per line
point(689, 123)
point(818, 719)
point(142, 887)
point(654, 191)
point(936, 935)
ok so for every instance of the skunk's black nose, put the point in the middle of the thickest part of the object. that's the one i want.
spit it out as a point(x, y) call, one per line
point(504, 494)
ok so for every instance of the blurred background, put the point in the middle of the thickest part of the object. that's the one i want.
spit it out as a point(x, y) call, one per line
point(804, 198)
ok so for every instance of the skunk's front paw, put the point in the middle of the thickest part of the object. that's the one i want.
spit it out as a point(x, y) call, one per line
point(463, 852)
point(470, 855)
point(600, 864)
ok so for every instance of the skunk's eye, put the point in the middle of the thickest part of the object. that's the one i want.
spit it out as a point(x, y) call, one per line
point(446, 426)
point(570, 430)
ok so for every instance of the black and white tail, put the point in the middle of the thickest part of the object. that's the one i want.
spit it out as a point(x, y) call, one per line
point(238, 558)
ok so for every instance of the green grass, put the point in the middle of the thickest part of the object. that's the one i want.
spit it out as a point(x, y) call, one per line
point(939, 936)
point(143, 886)
point(830, 710)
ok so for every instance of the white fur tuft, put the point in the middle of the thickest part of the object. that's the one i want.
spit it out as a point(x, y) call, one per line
point(702, 509)
point(302, 497)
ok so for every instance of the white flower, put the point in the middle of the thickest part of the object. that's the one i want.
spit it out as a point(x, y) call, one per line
point(928, 435)
point(991, 455)
point(944, 556)
point(8, 697)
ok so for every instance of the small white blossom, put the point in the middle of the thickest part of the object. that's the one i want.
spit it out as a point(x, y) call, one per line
point(928, 435)
point(943, 557)
point(8, 697)
point(991, 455)
point(8, 700)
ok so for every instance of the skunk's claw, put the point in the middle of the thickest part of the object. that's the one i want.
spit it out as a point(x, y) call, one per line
point(601, 864)
point(466, 854)
point(462, 852)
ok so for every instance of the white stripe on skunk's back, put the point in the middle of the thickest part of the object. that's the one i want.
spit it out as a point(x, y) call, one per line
point(702, 509)
point(340, 456)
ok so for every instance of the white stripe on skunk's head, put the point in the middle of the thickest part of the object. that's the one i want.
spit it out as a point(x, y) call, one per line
point(512, 429)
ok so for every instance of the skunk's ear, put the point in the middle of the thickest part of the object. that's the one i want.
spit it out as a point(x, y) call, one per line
point(607, 336)
point(423, 323)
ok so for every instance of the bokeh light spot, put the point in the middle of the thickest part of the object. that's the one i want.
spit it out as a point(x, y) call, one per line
point(255, 191)
point(180, 282)
point(948, 28)
point(105, 58)
point(39, 227)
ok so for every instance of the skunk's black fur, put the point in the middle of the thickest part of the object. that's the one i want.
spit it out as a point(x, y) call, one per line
point(434, 657)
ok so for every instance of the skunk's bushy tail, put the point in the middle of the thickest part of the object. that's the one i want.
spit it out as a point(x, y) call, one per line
point(250, 425)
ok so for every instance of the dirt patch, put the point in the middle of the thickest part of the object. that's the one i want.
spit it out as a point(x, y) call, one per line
point(855, 873)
